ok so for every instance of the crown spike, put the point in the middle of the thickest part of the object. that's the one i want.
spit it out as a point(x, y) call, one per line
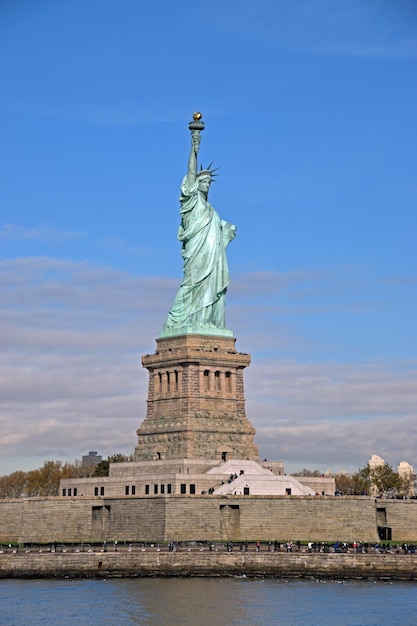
point(208, 171)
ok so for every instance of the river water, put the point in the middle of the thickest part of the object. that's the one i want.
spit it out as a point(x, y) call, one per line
point(207, 602)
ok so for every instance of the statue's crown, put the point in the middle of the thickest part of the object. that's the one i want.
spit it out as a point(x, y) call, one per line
point(208, 171)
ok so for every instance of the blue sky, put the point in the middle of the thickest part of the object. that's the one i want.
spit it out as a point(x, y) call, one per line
point(310, 110)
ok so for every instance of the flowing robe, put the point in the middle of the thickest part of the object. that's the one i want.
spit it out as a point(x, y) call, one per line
point(199, 302)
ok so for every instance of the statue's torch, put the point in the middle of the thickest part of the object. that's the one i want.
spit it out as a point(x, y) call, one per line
point(196, 125)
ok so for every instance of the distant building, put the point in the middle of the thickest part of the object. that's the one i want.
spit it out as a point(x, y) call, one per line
point(92, 458)
point(406, 473)
point(405, 469)
point(375, 461)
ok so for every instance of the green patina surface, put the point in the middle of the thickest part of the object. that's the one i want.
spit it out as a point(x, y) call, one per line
point(199, 305)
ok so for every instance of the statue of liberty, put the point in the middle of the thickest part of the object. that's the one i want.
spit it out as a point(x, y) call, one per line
point(199, 305)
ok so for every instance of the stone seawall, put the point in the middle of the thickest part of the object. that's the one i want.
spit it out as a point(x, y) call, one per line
point(145, 564)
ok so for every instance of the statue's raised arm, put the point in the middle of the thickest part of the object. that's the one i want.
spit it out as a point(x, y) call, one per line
point(192, 160)
point(199, 306)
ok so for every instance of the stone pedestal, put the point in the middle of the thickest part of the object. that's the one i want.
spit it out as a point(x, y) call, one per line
point(196, 403)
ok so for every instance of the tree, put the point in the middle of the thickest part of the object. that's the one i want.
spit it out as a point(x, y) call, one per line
point(380, 481)
point(384, 481)
point(77, 469)
point(45, 480)
point(13, 485)
point(344, 484)
point(407, 485)
point(361, 481)
point(102, 468)
point(307, 472)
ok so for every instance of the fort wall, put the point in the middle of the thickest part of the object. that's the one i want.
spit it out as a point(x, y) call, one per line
point(211, 518)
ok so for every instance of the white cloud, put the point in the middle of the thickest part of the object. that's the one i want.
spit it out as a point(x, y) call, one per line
point(14, 232)
point(330, 414)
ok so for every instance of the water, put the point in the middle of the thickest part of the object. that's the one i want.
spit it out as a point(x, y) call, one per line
point(207, 602)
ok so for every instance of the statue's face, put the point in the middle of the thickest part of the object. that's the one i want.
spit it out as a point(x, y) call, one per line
point(204, 184)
